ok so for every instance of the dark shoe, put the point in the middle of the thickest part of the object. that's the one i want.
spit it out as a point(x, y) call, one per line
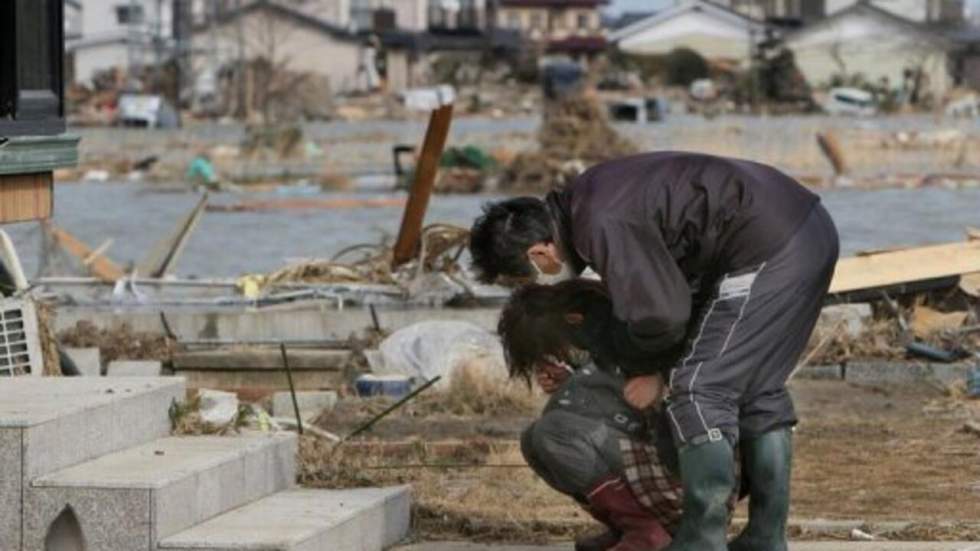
point(641, 531)
point(768, 461)
point(601, 541)
point(708, 478)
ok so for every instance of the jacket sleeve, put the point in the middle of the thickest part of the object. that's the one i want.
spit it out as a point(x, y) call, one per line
point(650, 295)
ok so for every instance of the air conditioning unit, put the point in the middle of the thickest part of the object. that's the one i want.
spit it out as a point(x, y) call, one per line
point(20, 344)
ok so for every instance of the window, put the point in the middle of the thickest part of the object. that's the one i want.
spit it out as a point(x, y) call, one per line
point(583, 21)
point(514, 20)
point(536, 21)
point(129, 14)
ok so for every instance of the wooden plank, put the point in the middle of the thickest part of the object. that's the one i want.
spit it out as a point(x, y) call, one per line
point(26, 197)
point(425, 178)
point(904, 266)
point(100, 266)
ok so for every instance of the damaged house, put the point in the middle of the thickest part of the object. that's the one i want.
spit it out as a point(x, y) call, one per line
point(928, 55)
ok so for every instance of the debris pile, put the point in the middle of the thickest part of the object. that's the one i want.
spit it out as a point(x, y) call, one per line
point(936, 326)
point(441, 247)
point(574, 135)
point(122, 343)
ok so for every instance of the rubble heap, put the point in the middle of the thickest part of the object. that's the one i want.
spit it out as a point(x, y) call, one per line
point(574, 135)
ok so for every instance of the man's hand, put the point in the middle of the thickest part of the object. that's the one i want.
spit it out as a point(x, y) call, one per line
point(550, 375)
point(645, 391)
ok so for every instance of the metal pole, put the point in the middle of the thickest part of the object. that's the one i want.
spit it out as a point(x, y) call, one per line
point(393, 407)
point(292, 389)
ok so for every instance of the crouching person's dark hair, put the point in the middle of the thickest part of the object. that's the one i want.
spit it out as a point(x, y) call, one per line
point(501, 237)
point(534, 325)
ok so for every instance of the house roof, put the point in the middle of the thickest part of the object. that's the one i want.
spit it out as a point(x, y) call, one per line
point(292, 14)
point(682, 8)
point(867, 9)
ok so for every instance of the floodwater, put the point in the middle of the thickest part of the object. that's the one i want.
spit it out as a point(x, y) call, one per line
point(134, 217)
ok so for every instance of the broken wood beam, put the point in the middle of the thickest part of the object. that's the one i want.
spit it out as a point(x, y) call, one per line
point(165, 253)
point(425, 178)
point(831, 148)
point(96, 262)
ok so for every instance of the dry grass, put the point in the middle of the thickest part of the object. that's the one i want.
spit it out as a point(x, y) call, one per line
point(495, 497)
point(473, 390)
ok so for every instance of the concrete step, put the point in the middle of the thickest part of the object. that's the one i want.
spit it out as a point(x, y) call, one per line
point(261, 368)
point(130, 499)
point(49, 423)
point(368, 519)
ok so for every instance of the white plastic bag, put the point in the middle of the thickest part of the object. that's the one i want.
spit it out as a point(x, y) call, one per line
point(431, 348)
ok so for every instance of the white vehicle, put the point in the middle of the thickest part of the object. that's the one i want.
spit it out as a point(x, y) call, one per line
point(147, 111)
point(850, 101)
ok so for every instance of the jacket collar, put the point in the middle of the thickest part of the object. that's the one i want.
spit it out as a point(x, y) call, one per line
point(557, 203)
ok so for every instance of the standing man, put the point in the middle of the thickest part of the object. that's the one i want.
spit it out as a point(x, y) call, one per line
point(729, 257)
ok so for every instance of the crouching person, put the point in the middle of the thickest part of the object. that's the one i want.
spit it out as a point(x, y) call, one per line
point(576, 447)
point(620, 464)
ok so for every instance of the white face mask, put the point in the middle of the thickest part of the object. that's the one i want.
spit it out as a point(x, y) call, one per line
point(565, 273)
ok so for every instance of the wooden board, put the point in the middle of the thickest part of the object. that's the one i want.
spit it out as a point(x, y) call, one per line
point(100, 266)
point(407, 244)
point(896, 267)
point(26, 197)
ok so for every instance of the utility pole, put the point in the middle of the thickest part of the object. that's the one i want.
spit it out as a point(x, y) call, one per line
point(240, 36)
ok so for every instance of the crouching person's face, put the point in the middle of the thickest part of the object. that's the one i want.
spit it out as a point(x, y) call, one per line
point(541, 326)
point(551, 373)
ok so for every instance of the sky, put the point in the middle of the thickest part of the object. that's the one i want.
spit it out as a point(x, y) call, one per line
point(619, 6)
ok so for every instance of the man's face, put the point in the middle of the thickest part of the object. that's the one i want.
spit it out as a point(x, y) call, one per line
point(548, 265)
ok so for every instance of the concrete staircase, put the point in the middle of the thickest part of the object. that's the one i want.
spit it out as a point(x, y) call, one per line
point(88, 464)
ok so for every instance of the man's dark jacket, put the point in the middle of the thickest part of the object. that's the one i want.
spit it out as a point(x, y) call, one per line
point(662, 227)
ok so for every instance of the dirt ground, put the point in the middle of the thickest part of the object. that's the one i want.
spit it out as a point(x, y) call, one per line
point(875, 454)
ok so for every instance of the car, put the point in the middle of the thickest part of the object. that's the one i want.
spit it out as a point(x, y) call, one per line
point(850, 101)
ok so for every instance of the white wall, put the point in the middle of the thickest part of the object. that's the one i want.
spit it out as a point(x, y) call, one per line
point(93, 59)
point(297, 47)
point(712, 37)
point(867, 46)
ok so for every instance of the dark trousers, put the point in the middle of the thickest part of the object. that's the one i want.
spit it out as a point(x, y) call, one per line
point(572, 453)
point(731, 381)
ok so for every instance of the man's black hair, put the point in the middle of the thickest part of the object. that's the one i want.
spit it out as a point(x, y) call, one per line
point(501, 237)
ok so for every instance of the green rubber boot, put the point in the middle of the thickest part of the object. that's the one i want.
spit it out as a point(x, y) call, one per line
point(708, 478)
point(768, 460)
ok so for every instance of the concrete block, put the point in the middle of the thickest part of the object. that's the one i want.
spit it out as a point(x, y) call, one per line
point(367, 519)
point(65, 421)
point(134, 368)
point(853, 318)
point(110, 518)
point(11, 479)
point(88, 360)
point(218, 408)
point(186, 480)
point(820, 373)
point(904, 373)
point(311, 403)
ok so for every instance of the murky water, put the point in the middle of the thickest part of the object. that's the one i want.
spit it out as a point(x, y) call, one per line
point(229, 244)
